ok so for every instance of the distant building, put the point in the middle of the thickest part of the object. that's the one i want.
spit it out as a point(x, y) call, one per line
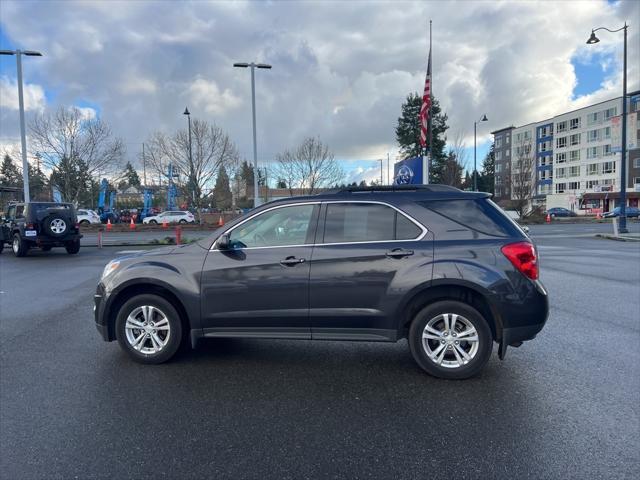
point(576, 157)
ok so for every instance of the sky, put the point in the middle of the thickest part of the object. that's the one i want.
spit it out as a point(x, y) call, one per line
point(341, 70)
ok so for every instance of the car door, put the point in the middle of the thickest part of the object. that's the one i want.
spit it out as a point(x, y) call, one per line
point(363, 262)
point(259, 285)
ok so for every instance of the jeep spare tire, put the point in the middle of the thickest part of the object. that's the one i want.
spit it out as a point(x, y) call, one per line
point(56, 225)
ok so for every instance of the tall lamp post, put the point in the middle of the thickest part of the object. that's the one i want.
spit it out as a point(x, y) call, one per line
point(475, 135)
point(623, 168)
point(253, 110)
point(23, 138)
point(188, 114)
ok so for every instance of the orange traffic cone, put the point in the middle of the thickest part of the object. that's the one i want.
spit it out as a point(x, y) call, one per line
point(220, 221)
point(548, 218)
point(132, 224)
point(109, 226)
point(165, 223)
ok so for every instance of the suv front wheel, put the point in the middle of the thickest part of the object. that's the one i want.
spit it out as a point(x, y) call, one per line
point(450, 339)
point(148, 328)
point(20, 247)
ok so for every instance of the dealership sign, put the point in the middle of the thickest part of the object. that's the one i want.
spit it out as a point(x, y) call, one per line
point(410, 171)
point(616, 132)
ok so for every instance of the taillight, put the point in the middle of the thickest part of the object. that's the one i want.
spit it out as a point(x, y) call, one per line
point(523, 256)
point(30, 226)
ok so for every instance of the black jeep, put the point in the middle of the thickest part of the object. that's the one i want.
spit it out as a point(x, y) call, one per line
point(40, 224)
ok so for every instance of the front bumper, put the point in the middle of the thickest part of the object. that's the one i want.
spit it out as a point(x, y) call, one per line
point(99, 308)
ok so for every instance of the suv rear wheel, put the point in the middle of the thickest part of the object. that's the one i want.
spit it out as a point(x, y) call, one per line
point(149, 329)
point(20, 247)
point(55, 225)
point(72, 246)
point(450, 339)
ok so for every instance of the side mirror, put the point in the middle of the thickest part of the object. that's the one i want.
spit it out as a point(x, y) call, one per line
point(223, 242)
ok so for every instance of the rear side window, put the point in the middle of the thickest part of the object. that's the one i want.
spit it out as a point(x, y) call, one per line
point(482, 215)
point(366, 222)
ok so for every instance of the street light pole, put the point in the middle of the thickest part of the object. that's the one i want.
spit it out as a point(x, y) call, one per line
point(475, 135)
point(23, 137)
point(623, 167)
point(191, 169)
point(253, 113)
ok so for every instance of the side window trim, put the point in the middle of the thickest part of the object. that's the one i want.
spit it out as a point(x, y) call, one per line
point(314, 218)
point(423, 229)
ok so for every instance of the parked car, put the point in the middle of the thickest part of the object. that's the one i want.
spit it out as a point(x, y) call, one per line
point(174, 216)
point(86, 216)
point(629, 212)
point(561, 212)
point(109, 216)
point(446, 269)
point(41, 224)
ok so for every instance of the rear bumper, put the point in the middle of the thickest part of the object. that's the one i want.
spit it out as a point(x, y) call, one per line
point(55, 242)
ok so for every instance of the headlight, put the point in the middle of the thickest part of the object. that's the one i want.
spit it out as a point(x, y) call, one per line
point(110, 268)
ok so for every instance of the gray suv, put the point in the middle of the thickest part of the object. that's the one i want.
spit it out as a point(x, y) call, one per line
point(445, 269)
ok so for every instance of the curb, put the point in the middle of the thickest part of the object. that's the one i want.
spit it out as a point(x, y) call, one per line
point(618, 239)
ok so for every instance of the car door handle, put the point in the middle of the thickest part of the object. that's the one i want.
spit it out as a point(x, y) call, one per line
point(291, 261)
point(399, 253)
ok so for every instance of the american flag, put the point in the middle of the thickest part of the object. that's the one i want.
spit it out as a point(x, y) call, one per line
point(426, 105)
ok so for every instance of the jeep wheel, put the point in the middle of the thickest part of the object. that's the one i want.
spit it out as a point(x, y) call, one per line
point(72, 247)
point(55, 225)
point(20, 247)
point(148, 328)
point(450, 340)
point(1, 246)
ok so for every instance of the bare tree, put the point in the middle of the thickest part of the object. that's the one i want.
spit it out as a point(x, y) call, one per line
point(68, 134)
point(308, 167)
point(210, 149)
point(452, 170)
point(522, 178)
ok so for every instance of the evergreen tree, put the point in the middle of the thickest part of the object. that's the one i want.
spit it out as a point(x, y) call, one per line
point(130, 176)
point(282, 183)
point(408, 134)
point(467, 184)
point(363, 183)
point(10, 175)
point(38, 184)
point(71, 177)
point(222, 190)
point(486, 181)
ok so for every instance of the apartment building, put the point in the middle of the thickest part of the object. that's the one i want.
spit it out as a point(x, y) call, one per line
point(502, 155)
point(573, 159)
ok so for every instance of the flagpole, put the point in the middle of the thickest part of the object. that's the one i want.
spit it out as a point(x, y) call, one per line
point(430, 163)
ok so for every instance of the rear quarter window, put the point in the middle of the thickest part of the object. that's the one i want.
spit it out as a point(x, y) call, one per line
point(481, 215)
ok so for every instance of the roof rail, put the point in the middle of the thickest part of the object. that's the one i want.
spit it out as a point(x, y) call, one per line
point(397, 188)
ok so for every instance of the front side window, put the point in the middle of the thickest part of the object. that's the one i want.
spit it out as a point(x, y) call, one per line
point(275, 228)
point(366, 222)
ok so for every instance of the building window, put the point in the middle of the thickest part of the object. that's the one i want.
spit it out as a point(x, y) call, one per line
point(636, 162)
point(574, 185)
point(507, 139)
point(593, 152)
point(608, 181)
point(574, 123)
point(574, 139)
point(609, 167)
point(636, 181)
point(561, 142)
point(561, 157)
point(592, 136)
point(607, 132)
point(498, 142)
point(561, 127)
point(606, 150)
point(498, 155)
point(592, 183)
point(592, 169)
point(561, 172)
point(507, 153)
point(592, 118)
point(574, 155)
point(610, 112)
point(498, 167)
point(561, 187)
point(574, 171)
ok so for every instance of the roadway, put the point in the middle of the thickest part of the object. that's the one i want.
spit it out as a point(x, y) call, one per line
point(562, 406)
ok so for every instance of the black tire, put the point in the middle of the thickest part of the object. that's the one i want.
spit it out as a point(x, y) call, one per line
point(153, 222)
point(183, 221)
point(84, 222)
point(63, 223)
point(484, 348)
point(72, 247)
point(19, 246)
point(175, 329)
point(46, 248)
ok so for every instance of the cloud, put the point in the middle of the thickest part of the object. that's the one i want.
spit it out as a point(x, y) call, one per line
point(34, 98)
point(87, 113)
point(208, 96)
point(340, 70)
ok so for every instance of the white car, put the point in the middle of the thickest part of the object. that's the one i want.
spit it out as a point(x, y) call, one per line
point(170, 217)
point(85, 217)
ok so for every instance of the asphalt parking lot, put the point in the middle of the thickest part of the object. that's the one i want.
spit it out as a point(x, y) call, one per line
point(562, 406)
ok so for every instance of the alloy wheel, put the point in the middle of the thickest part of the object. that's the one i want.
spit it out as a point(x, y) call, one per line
point(58, 226)
point(147, 329)
point(450, 340)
